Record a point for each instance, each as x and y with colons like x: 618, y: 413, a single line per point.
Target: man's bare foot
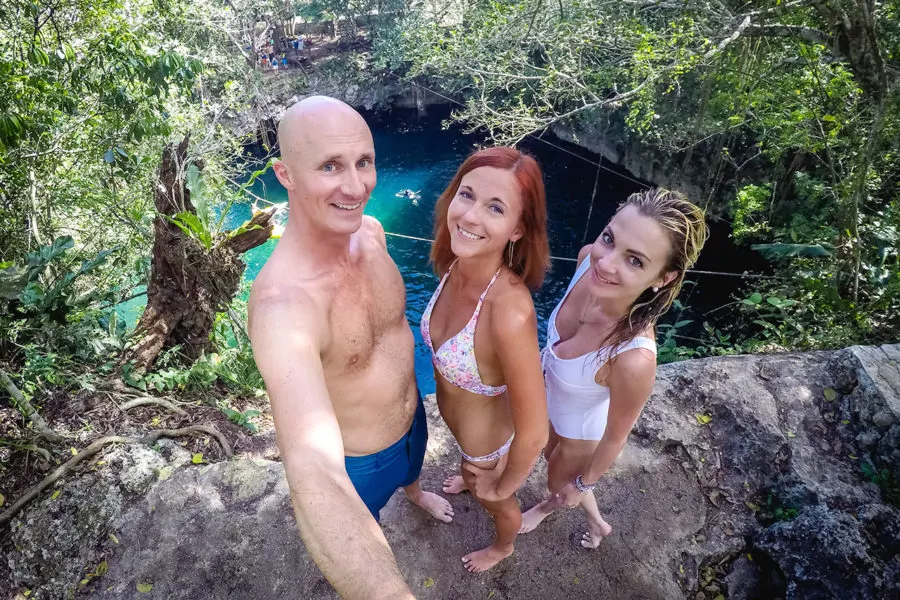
x: 595, y: 533
x: 454, y: 485
x: 433, y: 504
x: 533, y: 517
x: 484, y: 559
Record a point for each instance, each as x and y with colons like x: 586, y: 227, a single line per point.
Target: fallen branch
x: 98, y: 445
x: 40, y: 425
x: 143, y: 401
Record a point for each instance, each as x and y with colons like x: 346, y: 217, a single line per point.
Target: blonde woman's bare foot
x: 595, y: 533
x: 484, y: 559
x: 533, y: 517
x: 433, y: 504
x: 454, y: 485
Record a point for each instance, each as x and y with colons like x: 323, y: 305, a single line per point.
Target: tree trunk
x: 188, y: 284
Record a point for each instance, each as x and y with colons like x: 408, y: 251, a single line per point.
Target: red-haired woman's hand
x: 483, y: 483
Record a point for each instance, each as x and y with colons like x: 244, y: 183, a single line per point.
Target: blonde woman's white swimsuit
x: 577, y: 405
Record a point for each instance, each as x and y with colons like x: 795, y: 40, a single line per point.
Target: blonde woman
x: 600, y: 358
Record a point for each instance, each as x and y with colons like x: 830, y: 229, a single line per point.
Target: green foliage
x: 749, y: 212
x: 668, y: 349
x: 242, y: 418
x: 890, y: 489
x: 774, y: 511
x: 44, y: 305
x: 807, y: 131
x: 90, y: 93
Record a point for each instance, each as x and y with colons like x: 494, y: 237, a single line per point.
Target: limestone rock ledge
x: 743, y: 478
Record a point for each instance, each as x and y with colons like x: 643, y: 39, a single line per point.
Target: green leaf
x: 144, y: 587
x: 755, y: 298
x: 2, y: 499
x: 703, y: 419
x: 197, y: 187
x: 429, y: 582
x: 55, y: 494
x: 197, y: 458
x: 830, y: 394
x: 114, y: 539
x: 243, y: 229
x: 109, y: 156
x: 46, y: 254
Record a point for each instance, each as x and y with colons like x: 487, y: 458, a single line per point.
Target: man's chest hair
x: 367, y: 301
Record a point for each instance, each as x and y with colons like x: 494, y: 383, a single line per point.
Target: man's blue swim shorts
x: 376, y: 476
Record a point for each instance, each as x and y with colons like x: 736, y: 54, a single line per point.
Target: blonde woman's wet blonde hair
x: 685, y: 224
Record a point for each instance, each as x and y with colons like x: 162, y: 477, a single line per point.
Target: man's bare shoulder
x: 286, y: 308
x: 372, y: 230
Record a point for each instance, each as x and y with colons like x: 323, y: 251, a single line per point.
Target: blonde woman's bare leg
x: 597, y: 527
x: 564, y: 464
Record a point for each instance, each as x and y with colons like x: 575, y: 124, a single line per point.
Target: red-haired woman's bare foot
x: 454, y: 485
x: 595, y: 533
x: 484, y: 559
x: 533, y: 517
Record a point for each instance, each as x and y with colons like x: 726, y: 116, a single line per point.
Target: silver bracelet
x: 584, y: 488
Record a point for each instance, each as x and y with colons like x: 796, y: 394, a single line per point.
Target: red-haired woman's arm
x: 514, y: 331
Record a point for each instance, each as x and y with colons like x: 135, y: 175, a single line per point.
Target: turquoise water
x: 422, y: 156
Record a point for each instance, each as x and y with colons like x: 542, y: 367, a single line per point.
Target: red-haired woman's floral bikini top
x: 455, y: 359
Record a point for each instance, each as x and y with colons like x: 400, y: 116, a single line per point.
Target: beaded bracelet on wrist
x: 582, y: 487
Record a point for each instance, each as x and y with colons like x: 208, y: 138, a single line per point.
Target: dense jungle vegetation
x: 117, y: 162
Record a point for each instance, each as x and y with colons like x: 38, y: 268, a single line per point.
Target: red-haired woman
x: 490, y: 249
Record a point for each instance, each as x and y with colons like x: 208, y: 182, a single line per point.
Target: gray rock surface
x: 765, y: 500
x: 868, y: 380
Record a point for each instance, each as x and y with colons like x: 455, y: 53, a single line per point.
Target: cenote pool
x: 419, y: 154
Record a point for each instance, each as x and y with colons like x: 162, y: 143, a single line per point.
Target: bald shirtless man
x: 330, y: 336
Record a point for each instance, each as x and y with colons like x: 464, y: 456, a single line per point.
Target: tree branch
x: 22, y: 403
x: 798, y: 31
x: 620, y: 98
x: 143, y: 401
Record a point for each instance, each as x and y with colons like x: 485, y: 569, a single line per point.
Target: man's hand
x: 483, y: 483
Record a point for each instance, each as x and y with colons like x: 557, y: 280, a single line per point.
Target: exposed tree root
x: 40, y: 425
x: 145, y: 400
x: 98, y: 445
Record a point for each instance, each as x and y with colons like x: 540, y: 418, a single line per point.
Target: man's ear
x: 282, y: 174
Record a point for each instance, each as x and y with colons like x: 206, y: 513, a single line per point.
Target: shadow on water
x: 420, y: 155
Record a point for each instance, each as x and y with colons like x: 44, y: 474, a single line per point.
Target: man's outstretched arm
x: 339, y: 532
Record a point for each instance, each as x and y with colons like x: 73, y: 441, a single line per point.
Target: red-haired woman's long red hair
x: 531, y: 253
